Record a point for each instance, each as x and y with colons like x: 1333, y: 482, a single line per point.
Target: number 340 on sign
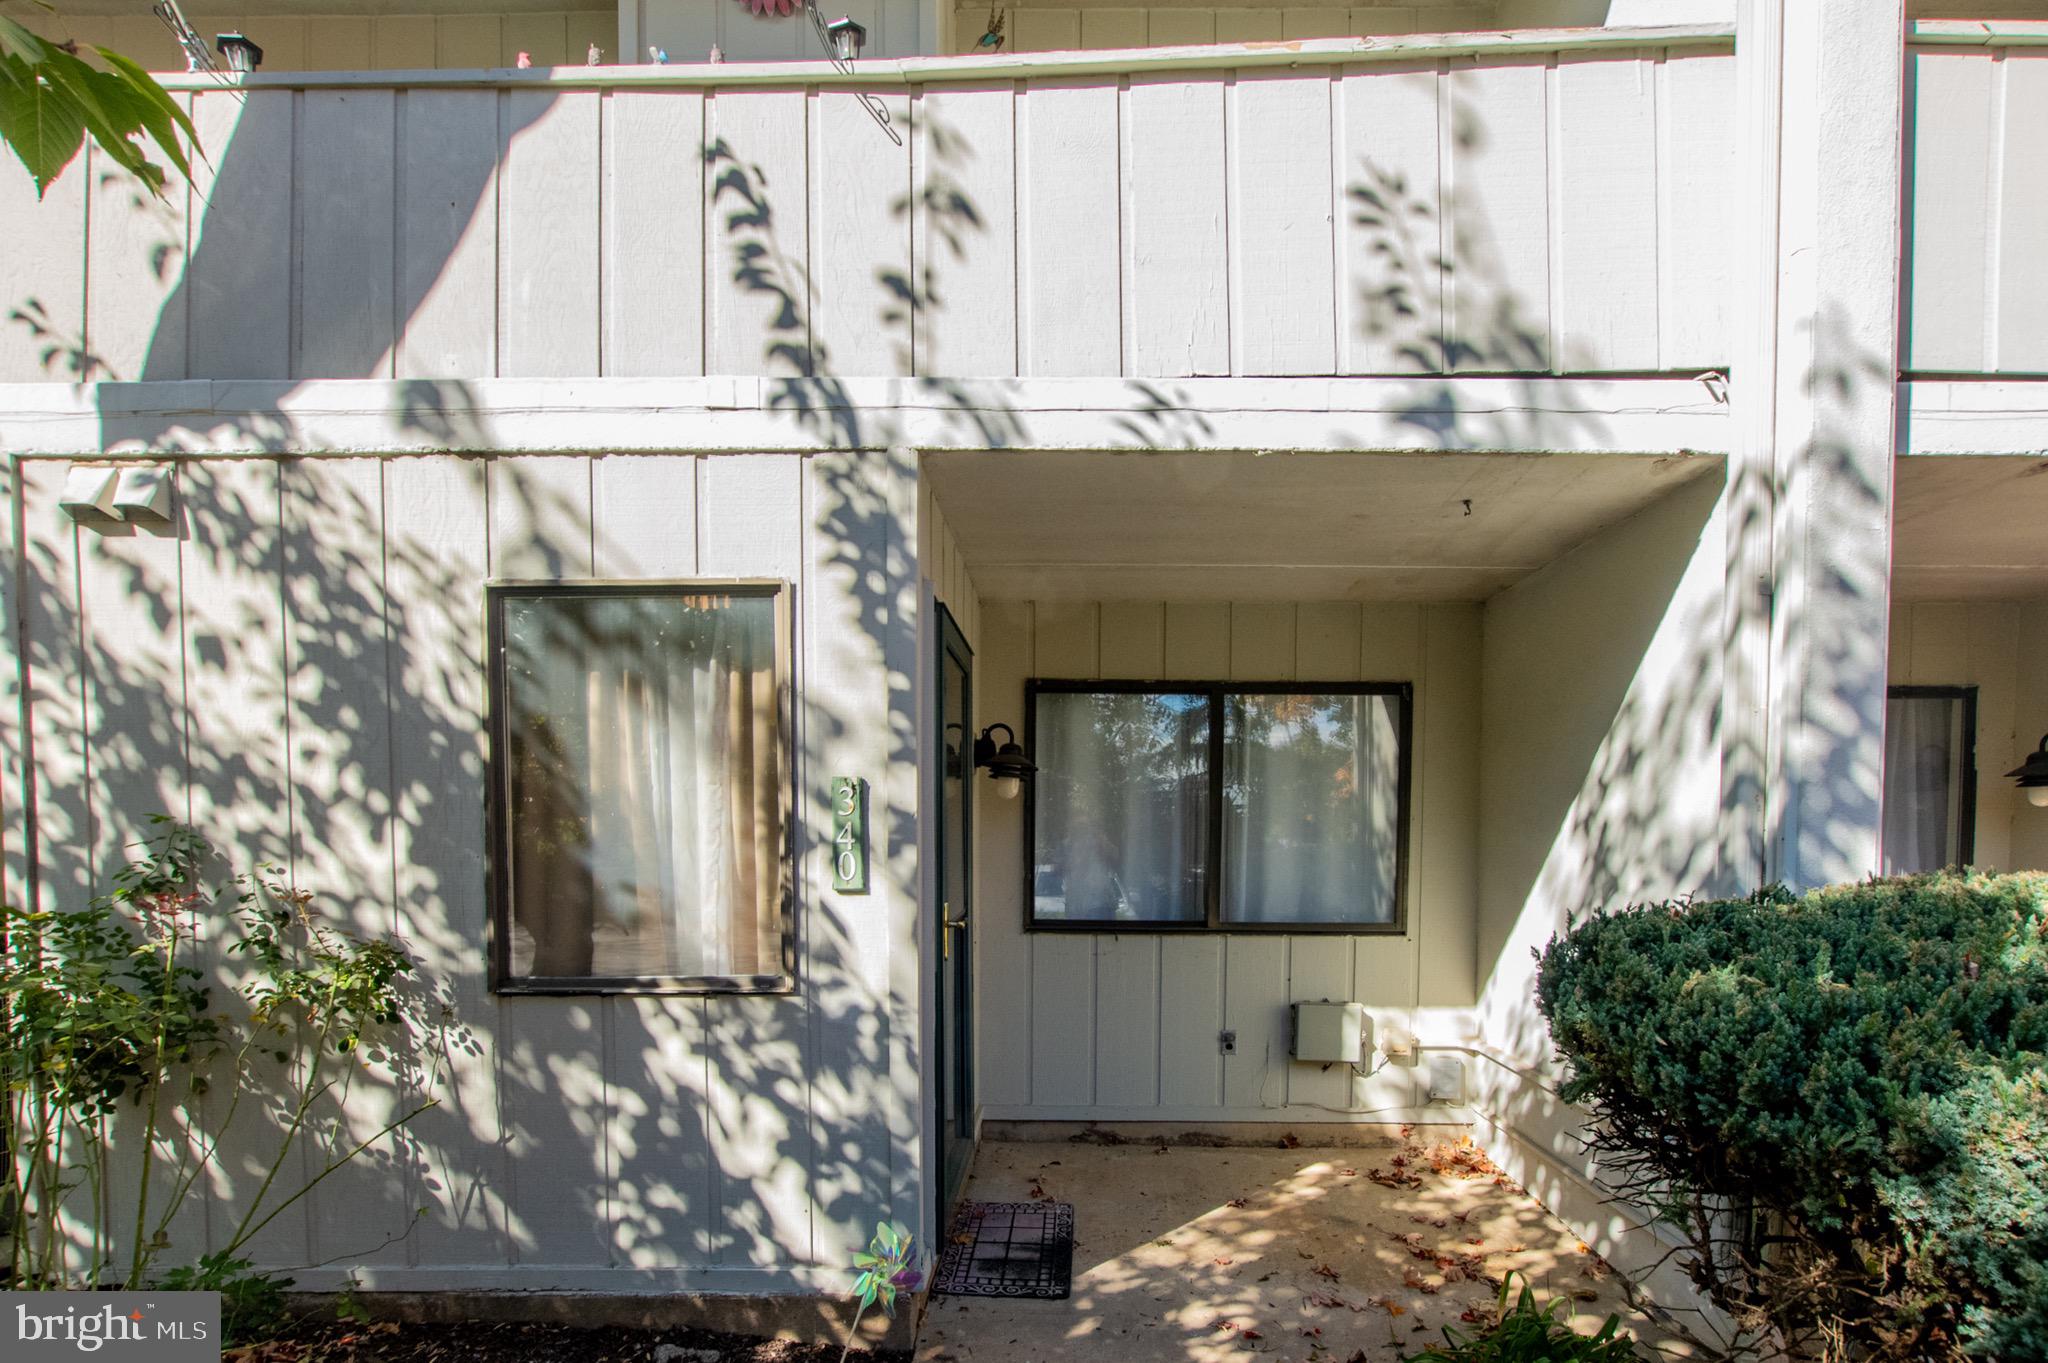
x: 849, y: 834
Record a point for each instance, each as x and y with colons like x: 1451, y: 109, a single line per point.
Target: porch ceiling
x: 1965, y: 526
x: 1235, y: 525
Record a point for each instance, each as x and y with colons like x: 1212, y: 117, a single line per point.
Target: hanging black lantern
x: 1007, y: 765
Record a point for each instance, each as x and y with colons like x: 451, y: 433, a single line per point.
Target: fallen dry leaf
x: 1325, y: 1271
x: 1235, y: 1202
x: 1415, y: 1280
x: 1391, y: 1307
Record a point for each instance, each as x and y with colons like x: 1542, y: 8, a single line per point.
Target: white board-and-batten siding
x: 299, y: 670
x: 1547, y: 213
x: 1109, y: 1026
x: 1977, y: 211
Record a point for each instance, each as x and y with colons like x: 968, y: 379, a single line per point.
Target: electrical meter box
x: 1329, y: 1033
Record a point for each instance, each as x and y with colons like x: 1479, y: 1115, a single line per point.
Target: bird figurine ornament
x: 993, y: 38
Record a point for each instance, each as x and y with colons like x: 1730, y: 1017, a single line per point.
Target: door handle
x: 950, y: 926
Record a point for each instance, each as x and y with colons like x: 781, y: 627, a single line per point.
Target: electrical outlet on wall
x: 1228, y: 1042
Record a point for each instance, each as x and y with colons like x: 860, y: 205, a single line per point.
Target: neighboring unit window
x: 1930, y: 778
x: 640, y: 771
x: 1200, y: 805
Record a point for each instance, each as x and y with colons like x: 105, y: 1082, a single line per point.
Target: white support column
x: 1811, y: 477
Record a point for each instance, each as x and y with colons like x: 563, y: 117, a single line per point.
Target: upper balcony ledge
x: 1653, y: 416
x: 914, y: 71
x: 1978, y: 33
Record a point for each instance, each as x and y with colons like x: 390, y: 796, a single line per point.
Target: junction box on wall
x: 1328, y: 1033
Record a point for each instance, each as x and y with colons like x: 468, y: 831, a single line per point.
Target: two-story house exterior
x: 1405, y: 475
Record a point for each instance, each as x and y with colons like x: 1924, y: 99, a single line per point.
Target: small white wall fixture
x: 101, y: 496
x: 88, y: 495
x: 142, y: 496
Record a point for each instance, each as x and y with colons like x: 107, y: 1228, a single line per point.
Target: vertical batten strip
x: 1994, y: 216
x: 2021, y: 270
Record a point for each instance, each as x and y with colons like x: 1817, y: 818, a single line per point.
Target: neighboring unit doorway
x: 953, y: 1057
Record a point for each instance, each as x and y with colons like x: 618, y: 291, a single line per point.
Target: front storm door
x: 954, y: 1054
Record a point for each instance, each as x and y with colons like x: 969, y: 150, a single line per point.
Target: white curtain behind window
x: 1922, y: 783
x: 647, y: 830
x: 1311, y: 819
x: 1122, y: 790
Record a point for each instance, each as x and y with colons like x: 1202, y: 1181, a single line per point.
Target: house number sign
x: 849, y: 834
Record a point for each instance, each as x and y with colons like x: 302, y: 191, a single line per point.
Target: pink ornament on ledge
x: 771, y: 7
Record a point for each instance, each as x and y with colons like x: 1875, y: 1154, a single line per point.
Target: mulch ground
x: 478, y: 1342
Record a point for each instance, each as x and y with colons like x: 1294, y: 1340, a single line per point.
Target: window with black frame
x: 641, y: 790
x: 1225, y: 806
x: 1930, y: 778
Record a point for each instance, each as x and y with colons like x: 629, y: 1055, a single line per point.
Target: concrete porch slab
x: 1199, y: 1255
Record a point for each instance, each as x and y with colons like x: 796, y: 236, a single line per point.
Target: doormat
x: 1008, y: 1249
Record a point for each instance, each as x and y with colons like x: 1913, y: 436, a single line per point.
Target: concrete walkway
x: 1197, y: 1255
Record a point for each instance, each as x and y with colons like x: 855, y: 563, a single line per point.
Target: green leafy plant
x: 1523, y: 1332
x: 889, y: 1266
x: 104, y: 1011
x: 251, y: 1303
x: 51, y: 99
x: 1839, y: 1099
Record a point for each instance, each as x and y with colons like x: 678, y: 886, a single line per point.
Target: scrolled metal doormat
x: 1008, y: 1249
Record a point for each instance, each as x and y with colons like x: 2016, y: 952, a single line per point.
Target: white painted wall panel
x: 1128, y: 993
x: 756, y: 237
x: 1696, y: 194
x: 2022, y: 264
x: 1952, y: 215
x: 1606, y: 205
x: 1391, y: 292
x: 1182, y: 226
x: 1499, y: 214
x: 239, y: 284
x: 548, y: 234
x: 860, y: 278
x: 1098, y: 1025
x: 1067, y: 216
x: 1978, y: 210
x: 447, y: 233
x: 337, y: 688
x: 135, y: 304
x: 317, y: 627
x: 1284, y: 280
x: 437, y: 550
x: 1004, y: 965
x: 1176, y: 286
x: 348, y: 250
x: 42, y: 278
x: 228, y: 567
x: 1190, y: 1022
x: 966, y: 242
x: 653, y: 257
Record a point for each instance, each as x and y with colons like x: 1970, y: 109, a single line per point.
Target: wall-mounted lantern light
x: 846, y: 37
x: 243, y: 55
x: 2031, y: 776
x: 1007, y: 765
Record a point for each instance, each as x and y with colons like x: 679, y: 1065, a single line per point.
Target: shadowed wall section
x: 1103, y: 1026
x: 298, y: 668
x: 1178, y: 224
